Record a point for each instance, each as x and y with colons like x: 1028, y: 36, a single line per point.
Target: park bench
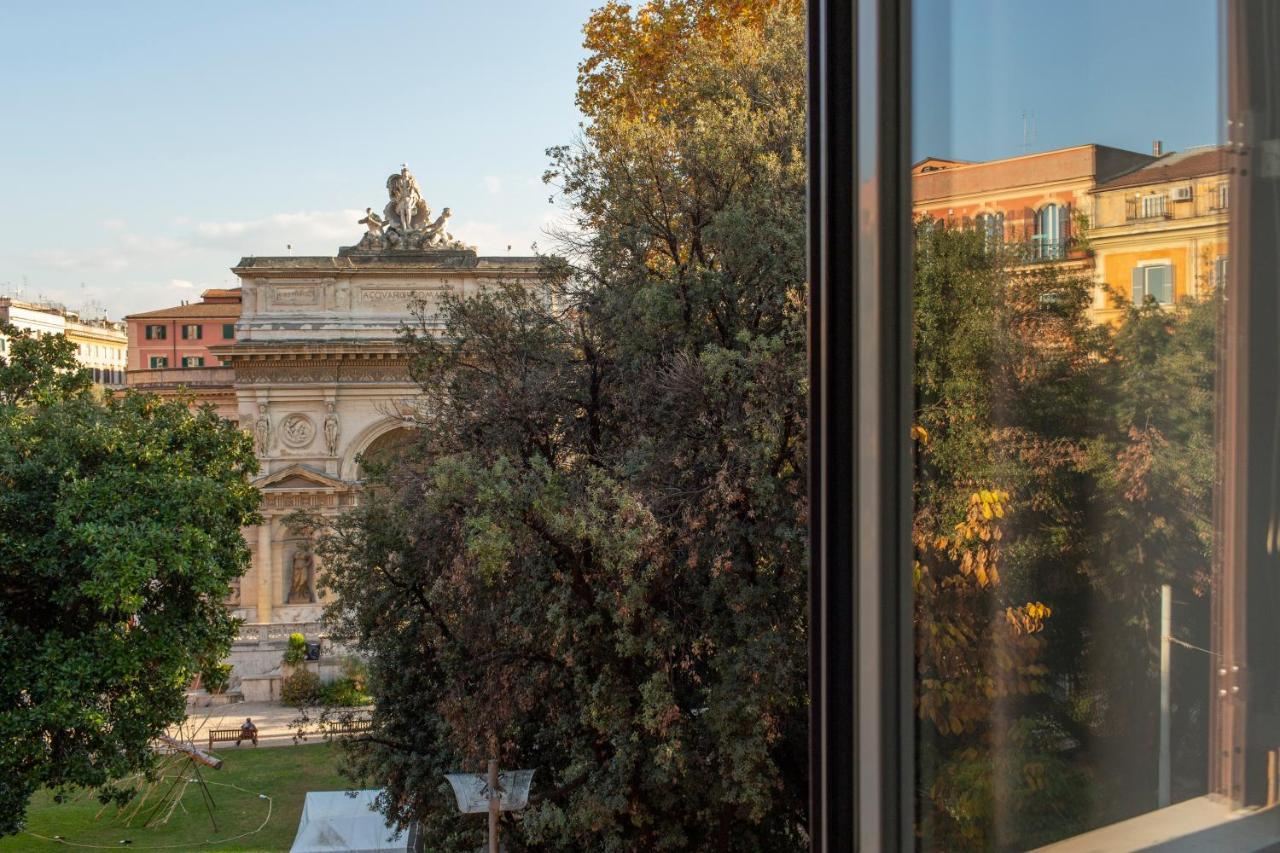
x: 220, y: 735
x: 350, y: 727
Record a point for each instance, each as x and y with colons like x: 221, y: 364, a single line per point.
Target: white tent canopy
x: 337, y: 821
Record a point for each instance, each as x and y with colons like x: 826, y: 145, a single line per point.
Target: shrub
x: 356, y: 671
x: 300, y: 688
x: 215, y: 676
x: 296, y: 652
x: 343, y: 693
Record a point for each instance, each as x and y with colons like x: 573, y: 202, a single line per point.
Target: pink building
x: 181, y: 336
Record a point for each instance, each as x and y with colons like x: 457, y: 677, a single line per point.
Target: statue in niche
x: 300, y: 570
x: 262, y: 431
x: 331, y: 430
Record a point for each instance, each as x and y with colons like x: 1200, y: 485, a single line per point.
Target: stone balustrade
x: 259, y: 634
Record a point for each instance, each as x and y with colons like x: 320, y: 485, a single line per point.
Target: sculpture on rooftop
x: 372, y: 221
x: 405, y: 224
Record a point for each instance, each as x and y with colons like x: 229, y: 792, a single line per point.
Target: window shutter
x: 1137, y: 286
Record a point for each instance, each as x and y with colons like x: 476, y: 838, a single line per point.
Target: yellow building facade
x: 1160, y: 231
x: 102, y: 346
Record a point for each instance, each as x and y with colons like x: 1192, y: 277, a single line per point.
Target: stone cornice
x: 309, y: 351
x: 389, y: 263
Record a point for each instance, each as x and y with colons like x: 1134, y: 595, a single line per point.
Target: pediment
x: 299, y: 477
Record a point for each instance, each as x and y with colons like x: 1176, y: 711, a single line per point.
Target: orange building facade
x: 170, y: 350
x: 1142, y: 225
x: 180, y: 337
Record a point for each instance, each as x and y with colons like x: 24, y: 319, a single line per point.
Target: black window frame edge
x: 862, y: 721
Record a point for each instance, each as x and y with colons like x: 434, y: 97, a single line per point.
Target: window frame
x: 1145, y: 267
x: 155, y: 332
x: 162, y: 365
x: 228, y: 331
x: 862, y: 717
x: 190, y: 358
x: 1049, y: 241
x: 187, y: 334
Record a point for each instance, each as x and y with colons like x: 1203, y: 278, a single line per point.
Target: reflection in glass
x: 1066, y: 388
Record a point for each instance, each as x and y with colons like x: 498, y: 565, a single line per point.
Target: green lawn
x: 283, y: 773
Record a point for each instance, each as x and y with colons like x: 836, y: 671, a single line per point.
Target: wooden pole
x: 495, y: 802
x: 1166, y: 631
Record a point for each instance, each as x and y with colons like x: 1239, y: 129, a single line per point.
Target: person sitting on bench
x: 248, y: 731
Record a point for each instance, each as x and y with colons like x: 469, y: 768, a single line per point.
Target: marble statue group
x: 406, y: 222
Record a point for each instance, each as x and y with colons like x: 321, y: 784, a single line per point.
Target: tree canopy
x: 1063, y: 472
x: 593, y: 561
x: 119, y: 537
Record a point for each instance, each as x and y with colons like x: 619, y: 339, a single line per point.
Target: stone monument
x: 322, y: 381
x: 406, y: 224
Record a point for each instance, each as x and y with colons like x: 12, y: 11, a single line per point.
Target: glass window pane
x: 1067, y: 424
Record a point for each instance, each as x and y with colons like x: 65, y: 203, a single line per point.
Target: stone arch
x: 381, y: 437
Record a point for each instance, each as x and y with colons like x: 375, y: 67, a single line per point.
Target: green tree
x: 1064, y: 471
x: 119, y: 536
x: 593, y: 562
x: 1009, y: 369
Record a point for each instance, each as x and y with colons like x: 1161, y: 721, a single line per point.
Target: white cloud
x: 113, y: 224
x: 80, y: 259
x: 491, y: 238
x: 182, y: 284
x: 319, y: 232
x: 493, y: 184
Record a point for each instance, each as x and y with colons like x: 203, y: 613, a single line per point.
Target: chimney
x: 1157, y: 147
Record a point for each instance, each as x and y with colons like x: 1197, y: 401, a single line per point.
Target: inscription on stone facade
x: 295, y: 295
x: 385, y: 297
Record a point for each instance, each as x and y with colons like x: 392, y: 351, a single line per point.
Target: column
x: 265, y: 572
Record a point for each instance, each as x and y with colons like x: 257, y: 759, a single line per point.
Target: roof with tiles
x: 196, y: 310
x: 1175, y: 166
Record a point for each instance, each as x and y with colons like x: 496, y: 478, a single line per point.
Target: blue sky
x: 1116, y: 72
x: 146, y: 146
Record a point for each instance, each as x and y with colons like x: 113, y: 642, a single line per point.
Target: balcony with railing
x: 1148, y: 208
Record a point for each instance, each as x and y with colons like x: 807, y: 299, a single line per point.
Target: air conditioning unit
x: 1182, y: 193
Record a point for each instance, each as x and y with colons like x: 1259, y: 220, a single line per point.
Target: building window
x: 1220, y: 271
x: 159, y: 361
x: 193, y: 361
x: 1048, y: 242
x: 193, y: 332
x: 1220, y: 197
x: 991, y: 226
x: 1154, y: 280
x: 1153, y: 206
x: 156, y: 333
x: 228, y: 331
